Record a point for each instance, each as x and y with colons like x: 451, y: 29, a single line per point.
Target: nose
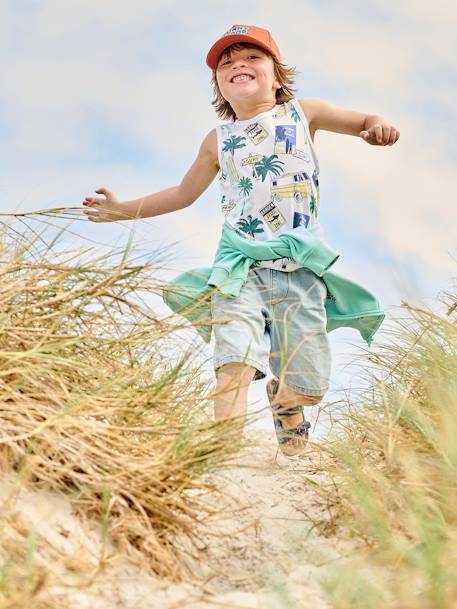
x: 238, y: 63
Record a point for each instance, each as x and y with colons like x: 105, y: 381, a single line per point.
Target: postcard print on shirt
x: 273, y: 216
x: 256, y: 133
x: 285, y: 139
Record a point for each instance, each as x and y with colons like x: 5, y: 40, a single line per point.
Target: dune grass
x: 99, y: 400
x: 394, y: 465
x: 22, y: 577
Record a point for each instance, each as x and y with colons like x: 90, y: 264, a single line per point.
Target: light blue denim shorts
x: 279, y: 319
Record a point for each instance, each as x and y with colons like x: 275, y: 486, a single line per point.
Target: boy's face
x: 247, y: 73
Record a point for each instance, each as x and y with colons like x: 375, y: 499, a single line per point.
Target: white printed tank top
x: 269, y: 175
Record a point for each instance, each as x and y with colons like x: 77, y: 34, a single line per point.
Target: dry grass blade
x: 95, y: 404
x: 395, y: 468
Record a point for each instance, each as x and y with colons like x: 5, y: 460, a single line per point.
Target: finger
x: 91, y: 200
x: 90, y: 214
x: 103, y: 191
x: 378, y: 133
x: 385, y: 134
x: 103, y: 214
x: 93, y: 212
x: 393, y: 135
x: 95, y: 217
x: 95, y: 202
x: 371, y: 137
x: 364, y: 135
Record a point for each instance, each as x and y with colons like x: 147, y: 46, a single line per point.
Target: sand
x: 272, y: 558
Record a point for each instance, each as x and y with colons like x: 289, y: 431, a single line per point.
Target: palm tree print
x: 294, y: 114
x: 250, y: 225
x: 232, y: 143
x: 245, y: 186
x: 269, y: 165
x: 312, y: 205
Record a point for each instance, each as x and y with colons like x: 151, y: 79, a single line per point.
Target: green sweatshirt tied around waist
x: 348, y: 304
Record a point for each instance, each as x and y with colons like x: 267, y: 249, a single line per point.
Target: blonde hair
x: 284, y: 74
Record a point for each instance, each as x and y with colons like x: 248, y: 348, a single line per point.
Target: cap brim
x: 212, y: 59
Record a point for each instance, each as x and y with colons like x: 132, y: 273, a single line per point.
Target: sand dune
x: 261, y: 551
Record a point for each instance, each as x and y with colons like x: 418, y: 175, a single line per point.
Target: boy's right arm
x: 195, y: 182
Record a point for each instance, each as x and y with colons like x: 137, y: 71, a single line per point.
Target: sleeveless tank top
x: 269, y: 175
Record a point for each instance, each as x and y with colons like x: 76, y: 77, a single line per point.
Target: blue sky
x: 107, y: 93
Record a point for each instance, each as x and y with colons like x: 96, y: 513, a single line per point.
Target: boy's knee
x: 236, y: 369
x: 239, y: 373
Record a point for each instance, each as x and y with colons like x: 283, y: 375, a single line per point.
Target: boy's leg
x: 231, y: 395
x: 300, y: 349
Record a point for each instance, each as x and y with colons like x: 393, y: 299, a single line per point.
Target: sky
x: 107, y: 93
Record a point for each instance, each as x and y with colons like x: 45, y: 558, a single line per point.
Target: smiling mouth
x: 241, y: 78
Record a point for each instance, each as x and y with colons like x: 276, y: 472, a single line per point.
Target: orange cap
x: 242, y: 33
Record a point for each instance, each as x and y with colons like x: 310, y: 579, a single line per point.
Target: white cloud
x: 403, y: 195
x: 441, y: 13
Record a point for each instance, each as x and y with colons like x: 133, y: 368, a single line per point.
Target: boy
x: 272, y: 266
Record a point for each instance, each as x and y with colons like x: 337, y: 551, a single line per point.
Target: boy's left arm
x: 374, y: 129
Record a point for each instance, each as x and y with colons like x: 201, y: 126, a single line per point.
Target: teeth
x: 241, y: 77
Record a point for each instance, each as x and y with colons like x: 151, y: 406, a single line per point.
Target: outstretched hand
x: 380, y: 134
x: 104, y: 209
